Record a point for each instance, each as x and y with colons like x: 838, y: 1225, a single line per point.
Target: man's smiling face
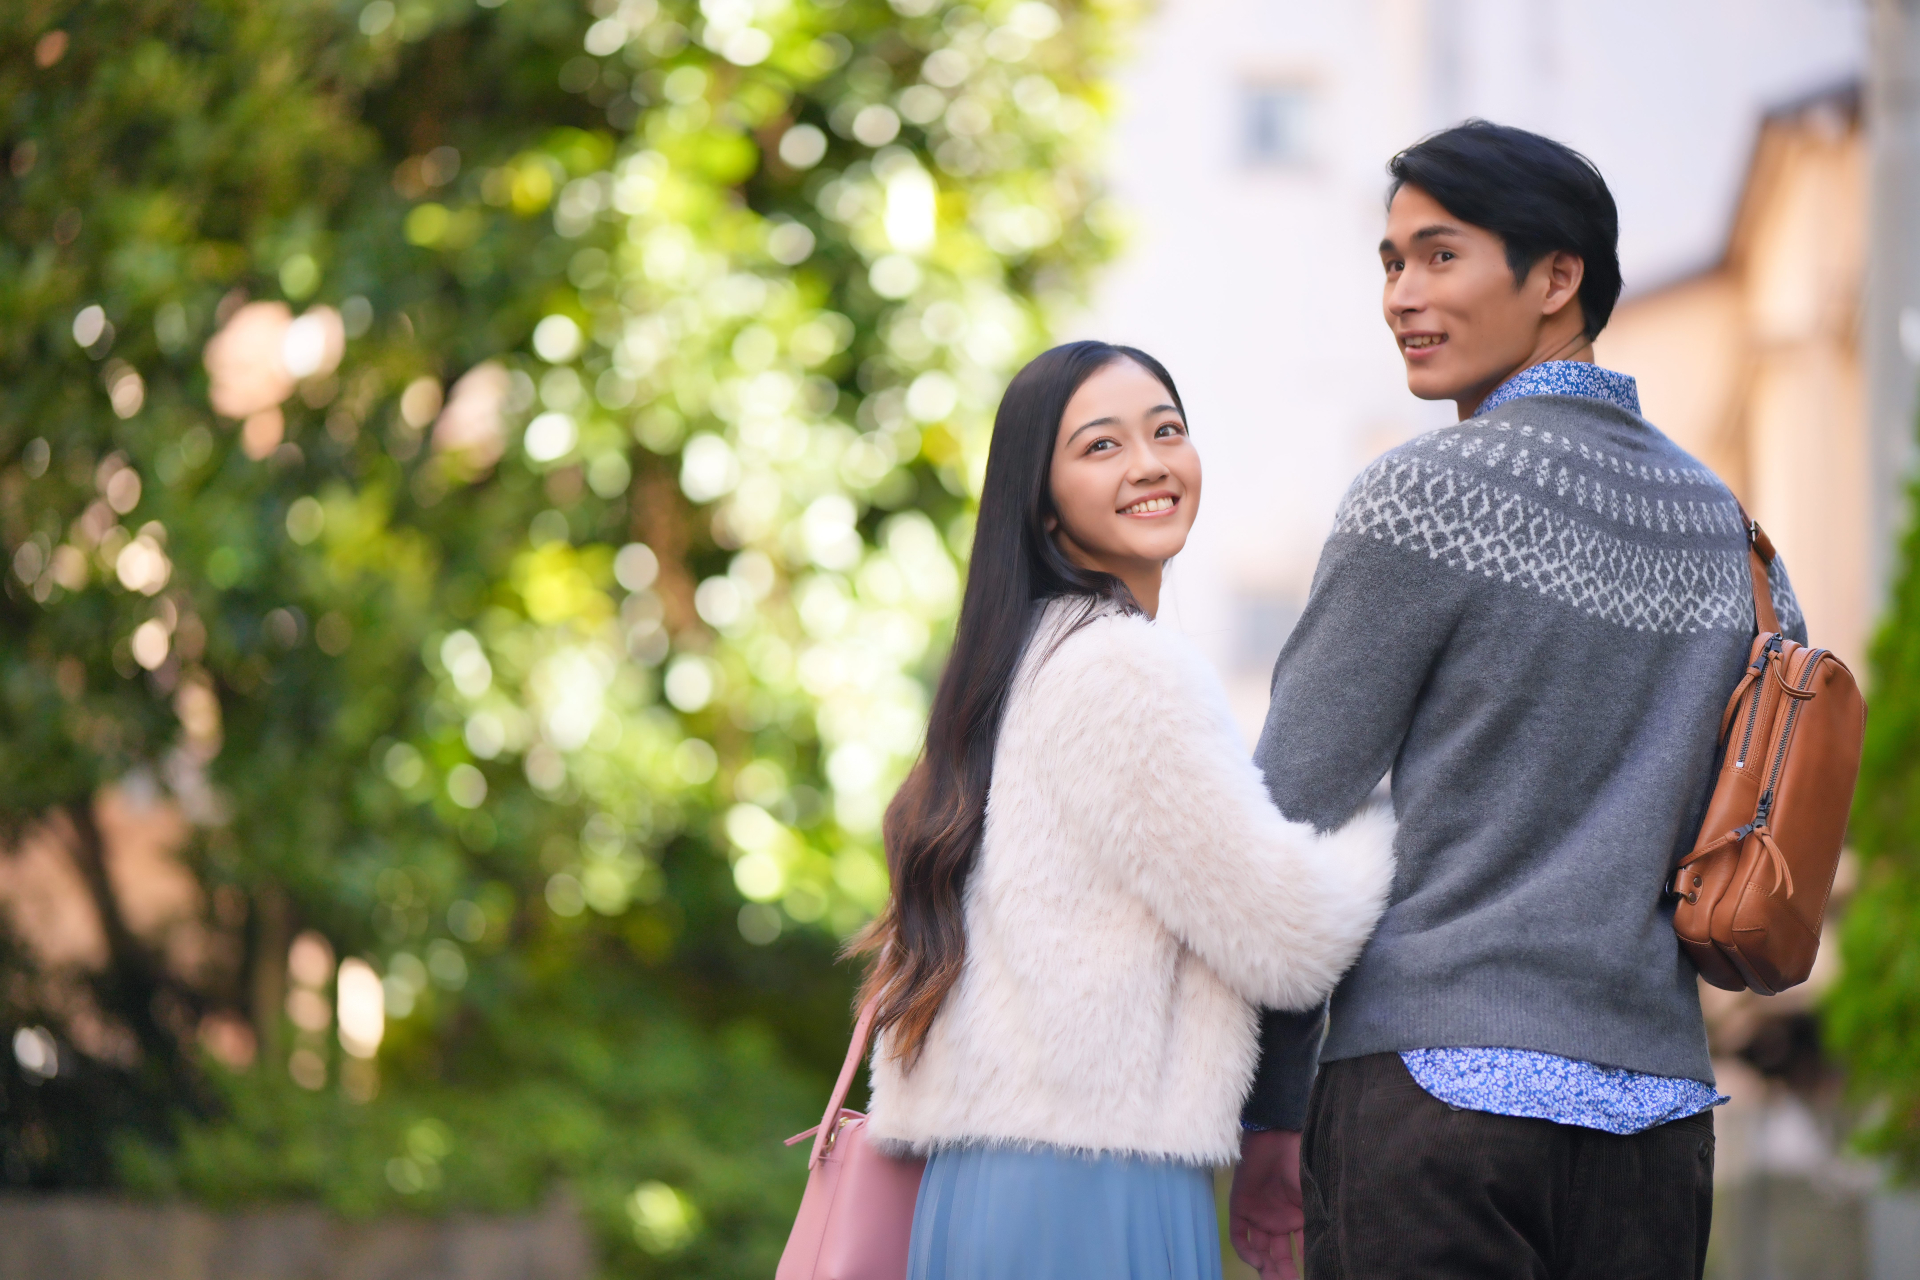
x: 1462, y: 323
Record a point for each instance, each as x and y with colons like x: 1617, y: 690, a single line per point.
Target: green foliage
x: 1873, y: 1013
x: 615, y: 383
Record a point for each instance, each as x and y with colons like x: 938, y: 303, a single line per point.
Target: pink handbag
x: 857, y: 1214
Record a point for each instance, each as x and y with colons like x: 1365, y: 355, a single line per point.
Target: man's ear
x: 1565, y: 270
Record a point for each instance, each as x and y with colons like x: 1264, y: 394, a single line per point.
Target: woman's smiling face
x: 1125, y: 477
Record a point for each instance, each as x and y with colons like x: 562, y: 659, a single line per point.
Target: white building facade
x: 1250, y: 157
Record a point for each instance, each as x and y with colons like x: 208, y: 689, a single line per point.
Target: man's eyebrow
x: 1109, y: 421
x: 1425, y: 233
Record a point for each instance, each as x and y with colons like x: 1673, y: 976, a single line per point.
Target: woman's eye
x: 1100, y: 446
x: 1170, y: 430
x: 1445, y: 255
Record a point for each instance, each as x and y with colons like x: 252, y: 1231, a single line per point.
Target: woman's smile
x: 1152, y: 506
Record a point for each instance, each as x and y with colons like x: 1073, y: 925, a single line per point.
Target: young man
x: 1532, y: 619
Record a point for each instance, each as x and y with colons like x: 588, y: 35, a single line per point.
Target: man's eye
x: 1445, y: 255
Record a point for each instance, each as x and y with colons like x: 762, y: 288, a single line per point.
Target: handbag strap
x: 856, y: 1051
x: 1760, y: 554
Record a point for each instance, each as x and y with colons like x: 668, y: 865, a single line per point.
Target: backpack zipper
x: 1786, y: 732
x: 1763, y: 812
x: 1753, y: 711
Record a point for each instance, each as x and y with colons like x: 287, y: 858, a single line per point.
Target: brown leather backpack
x: 1754, y: 889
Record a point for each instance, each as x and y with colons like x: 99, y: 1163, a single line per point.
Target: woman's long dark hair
x: 933, y: 827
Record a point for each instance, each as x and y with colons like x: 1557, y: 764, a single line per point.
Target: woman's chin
x: 1156, y: 550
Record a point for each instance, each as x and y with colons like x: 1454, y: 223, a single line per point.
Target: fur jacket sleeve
x: 1150, y: 763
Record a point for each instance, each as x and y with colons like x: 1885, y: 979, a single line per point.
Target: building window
x: 1274, y: 125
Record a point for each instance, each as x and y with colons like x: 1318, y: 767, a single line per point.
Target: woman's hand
x: 1264, y: 1214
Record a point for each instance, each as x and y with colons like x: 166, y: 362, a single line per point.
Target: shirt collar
x: 1568, y: 378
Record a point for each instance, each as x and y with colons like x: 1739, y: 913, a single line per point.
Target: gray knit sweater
x: 1533, y: 619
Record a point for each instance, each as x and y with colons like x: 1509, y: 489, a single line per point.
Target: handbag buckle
x: 833, y: 1134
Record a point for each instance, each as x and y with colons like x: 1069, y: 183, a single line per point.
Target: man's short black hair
x: 1539, y: 196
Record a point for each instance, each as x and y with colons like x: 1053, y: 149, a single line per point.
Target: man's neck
x: 1577, y: 347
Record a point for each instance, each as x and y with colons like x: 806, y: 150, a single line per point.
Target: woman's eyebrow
x: 1109, y: 421
x: 1087, y: 426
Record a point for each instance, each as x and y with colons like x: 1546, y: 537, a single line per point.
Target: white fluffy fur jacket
x: 1136, y: 898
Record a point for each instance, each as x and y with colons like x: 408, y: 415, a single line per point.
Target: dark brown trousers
x: 1399, y: 1184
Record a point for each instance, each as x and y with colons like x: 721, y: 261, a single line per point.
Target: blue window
x: 1274, y: 124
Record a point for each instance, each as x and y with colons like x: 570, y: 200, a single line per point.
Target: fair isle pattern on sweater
x: 1461, y: 495
x: 1559, y: 794
x: 1526, y: 1082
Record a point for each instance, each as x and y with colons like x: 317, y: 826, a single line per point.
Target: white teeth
x: 1146, y: 505
x: 1425, y: 340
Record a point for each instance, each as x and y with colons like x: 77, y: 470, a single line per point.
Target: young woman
x: 1092, y: 893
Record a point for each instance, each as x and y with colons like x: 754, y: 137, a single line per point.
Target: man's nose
x: 1405, y: 295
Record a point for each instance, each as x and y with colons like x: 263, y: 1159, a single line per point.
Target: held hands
x: 1265, y: 1218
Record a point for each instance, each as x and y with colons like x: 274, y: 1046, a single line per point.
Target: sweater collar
x: 1567, y: 378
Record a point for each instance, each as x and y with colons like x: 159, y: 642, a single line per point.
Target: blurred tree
x: 1872, y: 1016
x: 498, y: 469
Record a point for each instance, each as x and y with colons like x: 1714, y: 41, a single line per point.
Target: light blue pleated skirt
x: 1001, y: 1213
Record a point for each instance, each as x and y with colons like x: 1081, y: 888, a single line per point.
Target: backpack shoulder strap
x: 1760, y: 554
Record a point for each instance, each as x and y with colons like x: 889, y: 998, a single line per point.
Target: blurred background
x: 484, y: 486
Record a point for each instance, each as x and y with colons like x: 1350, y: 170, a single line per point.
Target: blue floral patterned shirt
x: 1525, y: 1082
x: 1567, y: 378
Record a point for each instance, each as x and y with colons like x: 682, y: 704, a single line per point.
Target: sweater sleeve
x: 1289, y: 1057
x: 1345, y: 686
x: 1377, y: 619
x: 1150, y: 767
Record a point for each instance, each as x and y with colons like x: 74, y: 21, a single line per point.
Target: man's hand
x: 1264, y: 1215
